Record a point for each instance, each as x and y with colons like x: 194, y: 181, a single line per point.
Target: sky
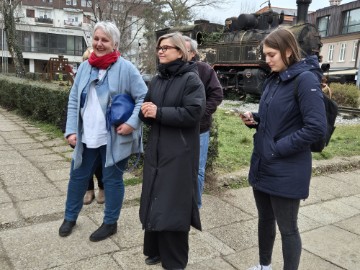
x: 234, y: 8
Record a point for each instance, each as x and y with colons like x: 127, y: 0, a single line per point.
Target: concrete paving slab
x: 41, y: 137
x: 133, y: 259
x: 307, y: 224
x: 9, y: 126
x: 62, y: 149
x: 238, y: 236
x: 211, y: 264
x: 36, y: 152
x: 329, y: 243
x: 8, y: 213
x: 316, y: 194
x: 58, y: 174
x: 335, y: 187
x: 130, y: 233
x: 353, y: 201
x: 62, y: 185
x: 22, y: 140
x: 40, y: 207
x: 54, y: 165
x: 329, y: 212
x: 30, y: 192
x: 40, y: 247
x: 20, y: 134
x: 308, y: 261
x: 352, y: 177
x: 204, y: 246
x: 55, y: 142
x: 45, y: 158
x: 3, y: 142
x: 351, y: 225
x: 216, y: 213
x: 28, y: 146
x: 22, y: 174
x: 11, y: 157
x: 33, y: 130
x: 101, y: 262
x: 132, y: 192
x: 241, y: 198
x: 4, y: 197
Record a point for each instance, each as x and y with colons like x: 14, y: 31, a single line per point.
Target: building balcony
x: 44, y: 20
x: 72, y: 23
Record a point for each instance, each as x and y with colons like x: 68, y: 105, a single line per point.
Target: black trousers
x: 98, y: 174
x: 172, y: 247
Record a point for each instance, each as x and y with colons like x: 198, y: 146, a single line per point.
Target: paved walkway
x: 33, y: 180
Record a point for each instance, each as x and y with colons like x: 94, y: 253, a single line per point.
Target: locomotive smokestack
x: 302, y: 10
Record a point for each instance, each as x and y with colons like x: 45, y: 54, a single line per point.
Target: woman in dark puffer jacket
x: 286, y: 125
x: 172, y: 108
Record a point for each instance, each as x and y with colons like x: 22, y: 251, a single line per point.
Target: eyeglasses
x: 165, y: 48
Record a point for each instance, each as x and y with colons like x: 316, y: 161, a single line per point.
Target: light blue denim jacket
x: 121, y: 77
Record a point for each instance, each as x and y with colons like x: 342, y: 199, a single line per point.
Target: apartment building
x: 52, y: 28
x: 339, y: 27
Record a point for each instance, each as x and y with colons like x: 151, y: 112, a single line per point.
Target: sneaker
x: 89, y: 197
x: 261, y: 267
x: 100, y: 198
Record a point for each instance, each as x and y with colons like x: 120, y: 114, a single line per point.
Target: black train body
x: 238, y: 58
x: 237, y: 55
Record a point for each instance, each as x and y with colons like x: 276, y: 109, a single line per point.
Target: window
x: 323, y: 24
x: 86, y: 3
x: 331, y: 53
x: 351, y: 21
x: 354, y: 52
x: 68, y: 2
x: 342, y: 52
x: 30, y: 13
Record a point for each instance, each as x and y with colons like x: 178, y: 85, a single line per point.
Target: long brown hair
x: 282, y: 39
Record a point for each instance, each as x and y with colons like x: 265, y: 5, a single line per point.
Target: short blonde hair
x: 87, y: 53
x: 178, y: 40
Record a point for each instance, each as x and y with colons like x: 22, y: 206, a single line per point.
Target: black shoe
x: 66, y: 228
x: 103, y: 232
x: 152, y: 260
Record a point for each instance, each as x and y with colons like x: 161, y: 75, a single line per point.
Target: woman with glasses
x: 173, y: 107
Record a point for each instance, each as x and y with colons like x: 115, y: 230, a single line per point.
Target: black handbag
x: 120, y: 108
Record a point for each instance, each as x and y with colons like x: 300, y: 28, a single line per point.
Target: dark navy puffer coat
x: 169, y: 190
x: 281, y: 161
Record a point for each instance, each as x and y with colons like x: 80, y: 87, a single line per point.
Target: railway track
x: 349, y: 111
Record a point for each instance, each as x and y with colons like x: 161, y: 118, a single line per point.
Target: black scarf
x: 171, y: 68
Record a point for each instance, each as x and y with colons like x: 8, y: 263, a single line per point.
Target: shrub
x: 346, y: 95
x: 38, y: 100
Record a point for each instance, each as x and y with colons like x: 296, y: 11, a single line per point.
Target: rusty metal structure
x: 58, y: 67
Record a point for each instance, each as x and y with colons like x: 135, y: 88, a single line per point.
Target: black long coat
x: 169, y: 190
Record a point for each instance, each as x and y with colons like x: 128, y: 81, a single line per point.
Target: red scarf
x: 103, y: 62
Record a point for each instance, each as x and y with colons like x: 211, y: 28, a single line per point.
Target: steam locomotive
x: 237, y: 56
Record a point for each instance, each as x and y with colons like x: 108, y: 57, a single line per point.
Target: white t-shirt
x: 94, y: 122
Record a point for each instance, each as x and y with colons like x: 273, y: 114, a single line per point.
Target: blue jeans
x: 284, y: 212
x: 204, y: 146
x: 79, y: 181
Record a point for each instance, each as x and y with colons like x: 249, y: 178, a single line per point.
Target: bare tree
x: 126, y: 14
x: 7, y: 9
x: 180, y: 12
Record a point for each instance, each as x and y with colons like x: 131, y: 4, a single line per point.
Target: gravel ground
x: 231, y: 105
